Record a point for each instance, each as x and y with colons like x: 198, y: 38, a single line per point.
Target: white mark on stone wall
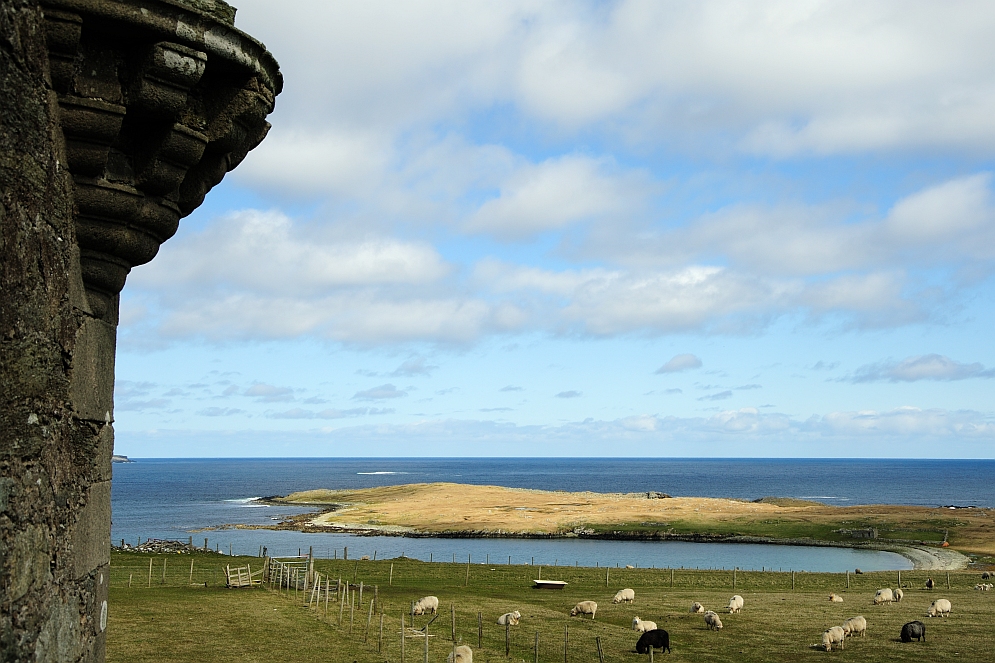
x: 103, y: 615
x: 188, y: 32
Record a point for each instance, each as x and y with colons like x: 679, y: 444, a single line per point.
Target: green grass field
x: 177, y: 620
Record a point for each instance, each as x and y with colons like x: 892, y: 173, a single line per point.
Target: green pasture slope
x: 179, y: 621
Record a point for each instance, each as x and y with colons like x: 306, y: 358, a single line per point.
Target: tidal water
x: 181, y: 498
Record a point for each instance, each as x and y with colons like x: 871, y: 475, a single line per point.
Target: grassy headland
x: 176, y: 620
x: 449, y: 508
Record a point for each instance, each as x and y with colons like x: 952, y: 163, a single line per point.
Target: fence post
x: 535, y: 649
x: 402, y: 637
x: 734, y: 577
x: 150, y: 571
x: 671, y: 578
x: 369, y: 618
x: 565, y: 627
x: 163, y: 582
x: 480, y: 629
x: 352, y: 610
x: 899, y: 578
x: 607, y: 573
x: 848, y: 578
x: 948, y: 577
x: 601, y: 652
x: 426, y: 643
x: 390, y: 578
x: 191, y: 572
x: 507, y: 639
x: 452, y: 612
x: 792, y: 581
x: 380, y: 639
x: 467, y: 581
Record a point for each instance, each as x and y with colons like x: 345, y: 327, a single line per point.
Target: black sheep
x: 655, y: 638
x: 915, y: 630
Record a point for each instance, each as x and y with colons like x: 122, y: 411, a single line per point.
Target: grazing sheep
x: 656, y: 638
x: 938, y: 608
x: 984, y: 587
x: 629, y: 566
x: 624, y: 596
x: 426, y: 604
x: 929, y: 583
x: 883, y: 596
x: 987, y: 575
x: 735, y: 604
x: 858, y: 572
x: 835, y: 598
x: 509, y: 618
x: 463, y: 654
x: 833, y: 635
x: 898, y: 595
x: 915, y: 630
x: 642, y: 626
x: 712, y: 621
x: 855, y: 626
x: 697, y: 608
x: 585, y: 608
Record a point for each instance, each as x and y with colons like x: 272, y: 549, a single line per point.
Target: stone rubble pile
x: 162, y: 546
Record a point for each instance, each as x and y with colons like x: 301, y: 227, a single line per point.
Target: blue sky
x: 588, y: 229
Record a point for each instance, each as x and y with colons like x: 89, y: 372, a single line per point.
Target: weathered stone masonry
x: 116, y: 118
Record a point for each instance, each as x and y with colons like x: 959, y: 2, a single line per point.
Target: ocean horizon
x: 200, y: 498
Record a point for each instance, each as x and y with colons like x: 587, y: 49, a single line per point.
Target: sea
x: 201, y: 499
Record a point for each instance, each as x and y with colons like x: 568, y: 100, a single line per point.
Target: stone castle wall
x: 116, y: 119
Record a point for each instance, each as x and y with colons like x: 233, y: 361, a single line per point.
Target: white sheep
x: 855, y: 626
x: 712, y: 621
x: 835, y: 598
x: 585, y: 608
x: 883, y: 596
x: 735, y: 604
x: 898, y: 595
x: 833, y: 635
x: 509, y: 618
x: 697, y: 608
x: 642, y: 626
x: 426, y: 604
x: 984, y: 587
x: 463, y: 654
x: 938, y: 608
x: 624, y: 596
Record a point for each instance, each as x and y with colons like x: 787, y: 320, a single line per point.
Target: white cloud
x: 785, y: 77
x: 344, y: 163
x: 745, y: 432
x: 682, y: 362
x: 412, y: 367
x: 556, y: 193
x: 267, y: 393
x: 922, y: 367
x: 384, y: 391
x: 951, y: 211
x: 267, y: 252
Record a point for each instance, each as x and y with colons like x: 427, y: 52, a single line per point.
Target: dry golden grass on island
x: 436, y: 508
